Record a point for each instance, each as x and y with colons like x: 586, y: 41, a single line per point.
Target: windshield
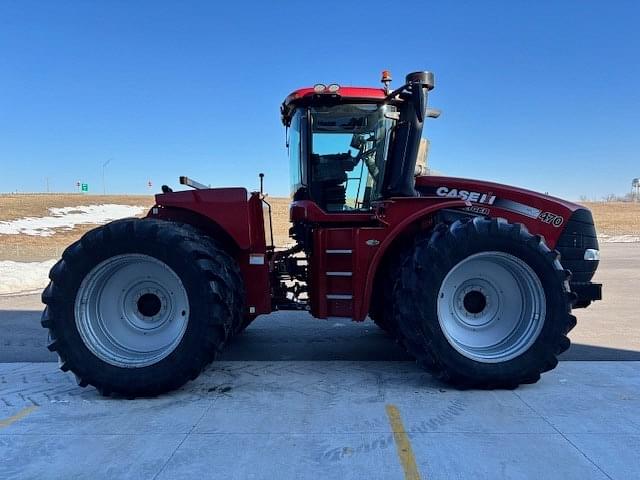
x: 348, y: 152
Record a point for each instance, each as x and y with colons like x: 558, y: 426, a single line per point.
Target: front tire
x: 483, y: 304
x: 138, y: 307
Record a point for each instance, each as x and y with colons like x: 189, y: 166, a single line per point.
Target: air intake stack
x: 399, y: 176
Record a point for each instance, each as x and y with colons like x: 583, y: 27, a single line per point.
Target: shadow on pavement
x: 580, y: 352
x: 292, y: 336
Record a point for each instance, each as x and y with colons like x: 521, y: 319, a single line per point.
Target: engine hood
x: 540, y: 213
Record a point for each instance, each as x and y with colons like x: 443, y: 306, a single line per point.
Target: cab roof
x: 359, y: 93
x: 309, y: 95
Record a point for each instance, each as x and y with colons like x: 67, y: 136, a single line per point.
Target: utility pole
x: 104, y: 185
x: 47, y: 180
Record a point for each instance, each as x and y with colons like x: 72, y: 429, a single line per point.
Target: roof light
x: 333, y: 88
x: 319, y: 88
x: 386, y: 80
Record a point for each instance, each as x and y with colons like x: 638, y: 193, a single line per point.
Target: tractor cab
x: 338, y: 151
x: 349, y: 147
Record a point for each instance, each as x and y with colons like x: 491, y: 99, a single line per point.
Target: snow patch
x: 619, y: 238
x: 67, y: 218
x: 24, y: 277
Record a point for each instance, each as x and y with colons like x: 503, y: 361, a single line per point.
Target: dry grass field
x: 37, y: 205
x: 36, y: 248
x: 280, y: 214
x: 614, y: 218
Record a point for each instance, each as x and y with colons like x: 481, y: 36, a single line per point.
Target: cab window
x: 348, y: 152
x: 295, y: 149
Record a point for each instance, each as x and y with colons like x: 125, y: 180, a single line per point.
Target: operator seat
x: 328, y: 179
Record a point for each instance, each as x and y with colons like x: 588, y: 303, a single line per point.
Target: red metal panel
x: 309, y: 211
x: 504, y: 206
x: 340, y: 308
x: 339, y: 284
x: 256, y: 285
x: 227, y: 207
x: 256, y: 277
x: 317, y: 271
x: 257, y: 237
x: 338, y: 263
x: 351, y: 93
x: 367, y: 243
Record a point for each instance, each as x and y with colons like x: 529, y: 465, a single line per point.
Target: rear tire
x: 116, y: 295
x: 483, y: 304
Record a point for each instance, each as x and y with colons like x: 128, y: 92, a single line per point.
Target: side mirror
x: 433, y: 112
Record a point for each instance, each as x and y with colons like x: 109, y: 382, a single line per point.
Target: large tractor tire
x: 381, y: 310
x: 483, y: 304
x: 138, y: 307
x: 233, y: 284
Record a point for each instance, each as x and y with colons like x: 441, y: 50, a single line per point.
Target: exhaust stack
x: 403, y: 152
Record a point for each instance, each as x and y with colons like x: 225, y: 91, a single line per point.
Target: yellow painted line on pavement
x: 403, y: 445
x: 18, y: 416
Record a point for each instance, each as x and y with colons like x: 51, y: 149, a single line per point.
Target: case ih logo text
x: 476, y: 197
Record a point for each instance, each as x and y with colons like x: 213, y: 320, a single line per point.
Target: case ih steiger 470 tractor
x: 475, y: 279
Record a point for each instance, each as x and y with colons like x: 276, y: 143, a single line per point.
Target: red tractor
x: 475, y: 279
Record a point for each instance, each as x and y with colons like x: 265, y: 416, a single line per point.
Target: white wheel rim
x: 131, y: 310
x: 491, y: 307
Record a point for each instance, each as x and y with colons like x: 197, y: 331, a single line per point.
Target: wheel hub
x: 491, y: 307
x: 149, y: 305
x: 474, y: 302
x: 131, y: 310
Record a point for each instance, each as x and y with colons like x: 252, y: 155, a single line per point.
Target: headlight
x: 591, y: 254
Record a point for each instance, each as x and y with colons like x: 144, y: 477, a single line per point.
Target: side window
x: 295, y: 147
x: 349, y: 148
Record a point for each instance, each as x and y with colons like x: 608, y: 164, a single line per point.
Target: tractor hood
x: 541, y: 213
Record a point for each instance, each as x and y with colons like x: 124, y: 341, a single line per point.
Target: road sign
x: 84, y: 187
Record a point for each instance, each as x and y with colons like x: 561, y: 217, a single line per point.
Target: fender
x: 566, y: 227
x: 229, y: 210
x: 540, y: 213
x: 234, y: 218
x: 399, y: 223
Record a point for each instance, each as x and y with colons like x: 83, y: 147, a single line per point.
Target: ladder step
x: 339, y: 274
x: 346, y: 251
x: 334, y: 296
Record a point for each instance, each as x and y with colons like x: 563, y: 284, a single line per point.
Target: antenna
x: 104, y: 185
x: 261, y: 175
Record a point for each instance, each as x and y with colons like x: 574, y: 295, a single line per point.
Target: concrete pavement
x: 308, y: 420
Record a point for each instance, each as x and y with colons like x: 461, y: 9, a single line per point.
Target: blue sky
x: 540, y: 94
